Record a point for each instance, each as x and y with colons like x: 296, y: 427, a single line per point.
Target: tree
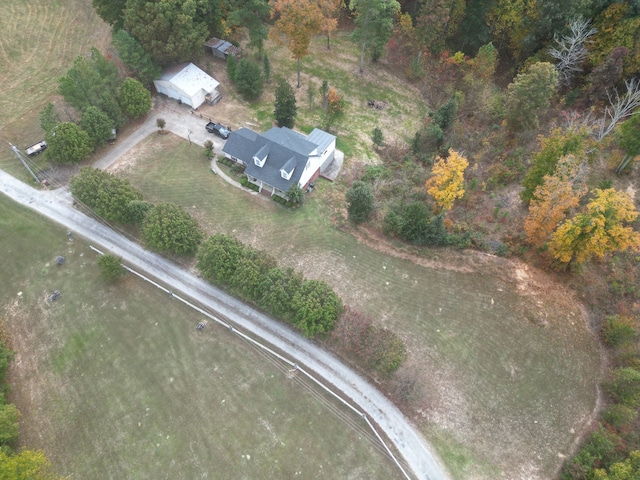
x: 251, y: 14
x: 111, y: 11
x: 445, y: 115
x: 107, y: 195
x: 529, y: 96
x: 553, y: 198
x: 285, y: 105
x: 111, y: 267
x: 9, y: 426
x: 316, y: 306
x: 431, y: 21
x: 138, y: 210
x: 169, y: 30
x: 298, y: 21
x: 414, y: 223
x: 249, y: 79
x: 628, y: 137
x: 597, y: 231
x: 485, y: 62
x: 161, y: 122
x: 279, y: 285
x: 620, y: 107
x: 68, y: 143
x: 626, y: 470
x: 295, y: 194
x: 266, y: 67
x: 606, y: 76
x: 98, y: 126
x: 219, y: 257
x: 134, y: 57
x: 329, y: 20
x: 508, y: 26
x: 552, y: 148
x: 26, y: 465
x: 134, y: 99
x: 232, y: 67
x: 377, y: 137
x: 49, y: 118
x: 447, y: 182
x: 93, y: 81
x: 360, y: 202
x: 335, y: 107
x: 208, y: 149
x: 570, y: 50
x: 170, y: 228
x: 373, y: 25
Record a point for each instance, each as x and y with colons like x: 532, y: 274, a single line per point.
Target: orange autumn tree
x: 447, y: 183
x: 597, y: 231
x: 329, y: 22
x: 557, y: 194
x: 298, y: 21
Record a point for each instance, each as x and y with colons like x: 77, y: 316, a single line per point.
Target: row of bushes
x: 244, y: 181
x: 166, y: 227
x: 612, y: 451
x: 310, y: 305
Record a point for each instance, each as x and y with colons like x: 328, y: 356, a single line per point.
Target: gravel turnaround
x: 57, y: 205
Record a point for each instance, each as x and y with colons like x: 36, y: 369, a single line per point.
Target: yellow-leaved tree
x: 551, y: 200
x: 597, y: 231
x: 447, y: 183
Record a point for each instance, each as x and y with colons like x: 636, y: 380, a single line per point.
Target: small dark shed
x: 222, y: 48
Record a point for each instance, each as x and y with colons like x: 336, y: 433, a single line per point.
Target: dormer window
x: 287, y: 169
x: 260, y: 157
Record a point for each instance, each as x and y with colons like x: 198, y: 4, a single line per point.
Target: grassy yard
x: 115, y: 381
x: 504, y: 369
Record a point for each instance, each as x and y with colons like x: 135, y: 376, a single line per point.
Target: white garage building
x: 188, y: 84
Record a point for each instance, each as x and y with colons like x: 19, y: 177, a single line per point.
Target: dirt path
x: 57, y: 205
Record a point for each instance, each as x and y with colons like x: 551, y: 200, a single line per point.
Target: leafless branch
x: 571, y: 51
x: 620, y: 107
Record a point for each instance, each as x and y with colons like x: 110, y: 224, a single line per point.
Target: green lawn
x: 114, y: 381
x: 497, y: 383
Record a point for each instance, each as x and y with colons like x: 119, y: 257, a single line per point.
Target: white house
x: 188, y: 84
x: 281, y: 157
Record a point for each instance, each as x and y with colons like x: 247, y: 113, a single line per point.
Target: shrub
x: 170, y: 228
x: 624, y: 387
x: 360, y: 202
x: 618, y: 415
x: 376, y: 349
x: 619, y: 330
x: 138, y: 210
x: 111, y: 267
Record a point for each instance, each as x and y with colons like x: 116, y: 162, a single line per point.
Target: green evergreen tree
x: 285, y: 105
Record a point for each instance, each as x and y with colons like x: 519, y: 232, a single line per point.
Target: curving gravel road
x: 57, y: 205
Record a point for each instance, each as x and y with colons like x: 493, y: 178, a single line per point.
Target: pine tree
x: 285, y: 105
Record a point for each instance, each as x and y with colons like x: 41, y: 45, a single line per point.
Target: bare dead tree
x: 620, y: 107
x: 571, y: 51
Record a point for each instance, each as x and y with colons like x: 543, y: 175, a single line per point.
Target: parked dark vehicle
x: 36, y: 149
x: 218, y: 129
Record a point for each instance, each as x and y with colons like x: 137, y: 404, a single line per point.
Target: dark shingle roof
x: 286, y: 150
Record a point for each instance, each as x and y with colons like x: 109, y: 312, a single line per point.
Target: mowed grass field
x: 507, y: 373
x: 114, y: 381
x: 39, y: 40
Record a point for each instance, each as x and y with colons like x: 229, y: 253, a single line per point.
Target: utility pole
x: 19, y: 155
